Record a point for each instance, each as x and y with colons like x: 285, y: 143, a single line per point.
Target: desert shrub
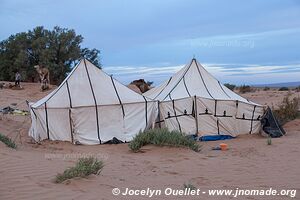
x: 266, y: 88
x: 287, y: 110
x: 283, y: 89
x: 189, y: 186
x: 162, y: 137
x: 269, y: 141
x: 297, y: 89
x: 230, y: 86
x: 6, y: 140
x: 83, y: 168
x: 244, y: 89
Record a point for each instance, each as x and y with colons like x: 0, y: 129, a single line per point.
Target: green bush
x: 230, y: 86
x: 283, y: 89
x: 189, y: 186
x: 269, y: 141
x: 287, y: 110
x: 244, y: 89
x: 6, y: 140
x: 83, y: 168
x: 266, y: 88
x: 162, y: 137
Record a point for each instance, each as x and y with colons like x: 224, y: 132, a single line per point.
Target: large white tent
x: 194, y: 102
x: 91, y: 107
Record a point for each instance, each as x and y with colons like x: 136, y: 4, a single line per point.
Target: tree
x: 58, y: 50
x: 283, y: 89
x: 230, y: 86
x: 92, y: 54
x: 244, y: 89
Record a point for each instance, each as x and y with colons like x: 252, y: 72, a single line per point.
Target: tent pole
x: 252, y: 120
x: 159, y: 121
x: 70, y: 112
x: 196, y: 115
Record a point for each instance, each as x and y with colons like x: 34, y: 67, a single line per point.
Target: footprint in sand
x: 170, y: 172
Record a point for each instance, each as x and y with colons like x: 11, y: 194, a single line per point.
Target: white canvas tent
x: 91, y: 107
x: 194, y: 102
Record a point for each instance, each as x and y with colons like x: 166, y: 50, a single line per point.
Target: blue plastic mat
x: 215, y: 137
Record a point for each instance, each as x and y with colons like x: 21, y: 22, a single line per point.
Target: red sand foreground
x: 249, y: 163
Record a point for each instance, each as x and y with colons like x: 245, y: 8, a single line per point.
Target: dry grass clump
x: 83, y: 168
x: 6, y: 140
x: 287, y: 110
x: 189, y: 186
x: 163, y: 137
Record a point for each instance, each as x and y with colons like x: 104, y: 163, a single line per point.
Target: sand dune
x: 29, y: 171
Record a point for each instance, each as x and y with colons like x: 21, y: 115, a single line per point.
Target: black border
x: 70, y: 113
x: 47, y: 125
x: 113, y: 83
x: 252, y: 119
x: 174, y: 110
x: 146, y: 111
x: 96, y: 107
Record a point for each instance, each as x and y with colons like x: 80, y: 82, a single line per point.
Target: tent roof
x: 88, y: 85
x: 193, y: 80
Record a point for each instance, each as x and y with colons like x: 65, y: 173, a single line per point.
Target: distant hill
x: 287, y: 84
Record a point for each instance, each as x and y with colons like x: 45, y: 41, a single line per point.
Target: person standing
x: 17, y: 79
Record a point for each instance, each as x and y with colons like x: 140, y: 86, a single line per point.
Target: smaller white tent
x: 91, y: 107
x: 194, y: 102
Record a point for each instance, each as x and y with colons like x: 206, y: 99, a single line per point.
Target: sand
x: 271, y: 97
x: 29, y: 171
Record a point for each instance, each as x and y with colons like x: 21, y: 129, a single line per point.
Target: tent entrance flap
x: 270, y: 125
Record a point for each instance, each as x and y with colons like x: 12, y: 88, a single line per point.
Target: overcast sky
x: 237, y: 41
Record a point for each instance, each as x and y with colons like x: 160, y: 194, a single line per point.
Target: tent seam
x: 113, y: 83
x: 174, y: 110
x: 96, y: 105
x: 180, y: 78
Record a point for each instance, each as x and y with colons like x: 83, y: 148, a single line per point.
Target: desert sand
x: 28, y: 172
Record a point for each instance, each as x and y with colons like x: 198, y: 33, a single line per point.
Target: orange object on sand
x: 223, y: 146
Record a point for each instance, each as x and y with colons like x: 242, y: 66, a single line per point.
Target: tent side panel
x: 207, y: 123
x: 178, y: 115
x: 225, y: 113
x: 85, y: 125
x: 38, y: 128
x: 248, y: 118
x: 135, y: 118
x: 79, y: 88
x: 60, y: 99
x: 257, y: 115
x: 59, y: 124
x: 111, y: 122
x: 152, y: 113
